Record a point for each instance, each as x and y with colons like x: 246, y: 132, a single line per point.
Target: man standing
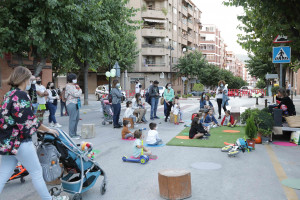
x: 41, y: 98
x: 33, y: 95
x: 138, y: 87
x: 154, y: 95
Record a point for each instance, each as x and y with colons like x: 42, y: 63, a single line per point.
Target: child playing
x: 126, y: 133
x: 210, y: 119
x: 137, y: 146
x: 153, y: 137
x: 129, y: 112
x: 197, y: 131
x: 228, y: 120
x: 205, y: 102
x: 177, y: 111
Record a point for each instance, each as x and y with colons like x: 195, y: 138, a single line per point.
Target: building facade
x: 170, y: 29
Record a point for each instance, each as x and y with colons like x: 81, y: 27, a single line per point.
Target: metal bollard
x: 266, y: 103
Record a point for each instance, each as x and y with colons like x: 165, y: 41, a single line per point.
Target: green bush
x: 274, y: 90
x: 251, y: 130
x: 248, y: 113
x: 198, y: 87
x: 189, y: 95
x: 184, y: 96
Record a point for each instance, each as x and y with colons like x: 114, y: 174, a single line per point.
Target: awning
x: 155, y: 20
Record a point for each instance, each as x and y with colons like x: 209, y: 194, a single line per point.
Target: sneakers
x: 57, y: 125
x: 156, y: 117
x: 51, y: 124
x: 166, y: 119
x: 60, y: 198
x: 207, y: 134
x: 76, y: 137
x: 152, y: 118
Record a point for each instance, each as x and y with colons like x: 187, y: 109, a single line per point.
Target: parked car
x: 196, y: 93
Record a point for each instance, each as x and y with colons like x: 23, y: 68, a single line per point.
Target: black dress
x: 196, y: 129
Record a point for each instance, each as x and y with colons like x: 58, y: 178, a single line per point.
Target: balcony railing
x: 154, y: 64
x: 185, y: 8
x: 157, y: 26
x: 153, y: 46
x: 190, y: 21
x: 184, y: 21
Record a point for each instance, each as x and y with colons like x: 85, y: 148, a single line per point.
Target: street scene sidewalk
x: 250, y: 175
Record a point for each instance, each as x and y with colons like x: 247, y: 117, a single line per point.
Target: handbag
x: 162, y: 99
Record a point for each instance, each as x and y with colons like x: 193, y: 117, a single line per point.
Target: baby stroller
x: 107, y: 111
x: 82, y: 172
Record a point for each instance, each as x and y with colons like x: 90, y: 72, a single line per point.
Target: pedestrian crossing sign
x: 281, y: 54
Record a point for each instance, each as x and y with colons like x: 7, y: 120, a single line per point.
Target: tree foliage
x: 261, y: 84
x: 194, y: 65
x: 262, y: 22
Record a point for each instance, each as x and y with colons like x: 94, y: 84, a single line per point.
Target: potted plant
x: 251, y: 131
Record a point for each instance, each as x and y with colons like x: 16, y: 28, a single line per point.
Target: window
x: 175, y: 27
x: 174, y: 10
x: 174, y: 44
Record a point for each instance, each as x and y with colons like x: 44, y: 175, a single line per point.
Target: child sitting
x: 210, y: 119
x: 137, y: 146
x: 177, y: 111
x: 228, y: 120
x: 129, y: 112
x: 126, y: 133
x: 197, y: 131
x: 205, y: 103
x: 153, y: 137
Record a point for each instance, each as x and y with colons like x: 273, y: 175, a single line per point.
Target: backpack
x: 109, y: 98
x: 194, y: 115
x: 49, y: 159
x: 147, y: 98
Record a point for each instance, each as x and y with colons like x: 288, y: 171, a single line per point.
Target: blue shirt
x: 137, y: 151
x: 210, y: 119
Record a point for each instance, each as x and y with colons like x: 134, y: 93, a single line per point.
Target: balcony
x: 154, y: 49
x: 155, y: 12
x: 190, y: 38
x: 154, y: 30
x: 190, y: 11
x: 154, y: 64
x: 184, y: 40
x: 184, y: 10
x: 184, y: 24
x: 190, y: 24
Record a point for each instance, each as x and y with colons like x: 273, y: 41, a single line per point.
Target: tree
x: 37, y: 27
x: 259, y: 67
x: 263, y: 21
x: 261, y: 84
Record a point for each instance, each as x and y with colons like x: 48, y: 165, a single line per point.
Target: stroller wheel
x: 54, y: 191
x: 22, y: 179
x: 110, y: 122
x: 103, y: 189
x: 77, y: 196
x: 103, y: 123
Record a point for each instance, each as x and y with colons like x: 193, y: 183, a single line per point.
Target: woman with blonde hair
x: 17, y: 125
x: 221, y: 95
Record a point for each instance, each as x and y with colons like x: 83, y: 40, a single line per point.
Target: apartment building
x: 212, y: 45
x: 170, y: 28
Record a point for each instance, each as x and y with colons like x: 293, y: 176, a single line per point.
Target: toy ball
x: 229, y: 124
x: 86, y: 146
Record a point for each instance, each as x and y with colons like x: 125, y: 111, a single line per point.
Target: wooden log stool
x: 131, y: 122
x: 88, y: 131
x: 174, y: 184
x: 171, y: 117
x: 235, y: 112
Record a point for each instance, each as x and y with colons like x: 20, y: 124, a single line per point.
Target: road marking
x: 289, y: 192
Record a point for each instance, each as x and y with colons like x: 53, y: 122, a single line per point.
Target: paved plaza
x: 249, y: 176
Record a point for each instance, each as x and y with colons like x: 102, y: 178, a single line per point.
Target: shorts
x: 42, y: 107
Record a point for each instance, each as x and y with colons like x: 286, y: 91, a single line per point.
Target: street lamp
x: 171, y: 48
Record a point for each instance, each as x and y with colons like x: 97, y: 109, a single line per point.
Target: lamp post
x: 171, y: 48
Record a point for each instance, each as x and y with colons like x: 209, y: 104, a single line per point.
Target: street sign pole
x: 280, y: 83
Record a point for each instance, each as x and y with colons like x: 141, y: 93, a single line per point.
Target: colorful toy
x: 86, y: 146
x: 234, y: 149
x: 20, y: 172
x: 143, y: 159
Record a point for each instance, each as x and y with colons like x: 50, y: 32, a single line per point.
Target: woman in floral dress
x: 17, y: 125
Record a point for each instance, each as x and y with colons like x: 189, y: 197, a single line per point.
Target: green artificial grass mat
x: 216, y: 140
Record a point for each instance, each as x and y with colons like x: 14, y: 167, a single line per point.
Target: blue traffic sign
x: 281, y: 54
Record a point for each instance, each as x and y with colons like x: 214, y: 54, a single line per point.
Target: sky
x: 225, y: 18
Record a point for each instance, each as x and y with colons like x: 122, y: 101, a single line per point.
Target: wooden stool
x: 235, y: 112
x: 171, y: 117
x: 174, y: 184
x: 87, y: 131
x: 131, y: 122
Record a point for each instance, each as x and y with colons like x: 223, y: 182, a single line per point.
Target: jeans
x: 168, y: 107
x: 116, y: 111
x: 180, y: 114
x: 35, y: 107
x: 52, y: 111
x: 154, y: 103
x: 62, y: 107
x: 73, y: 118
x: 29, y: 159
x: 219, y: 101
x: 165, y: 108
x: 133, y: 118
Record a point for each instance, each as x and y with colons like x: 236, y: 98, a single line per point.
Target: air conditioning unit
x: 158, y: 40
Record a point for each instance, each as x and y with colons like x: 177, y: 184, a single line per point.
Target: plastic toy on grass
x: 234, y: 149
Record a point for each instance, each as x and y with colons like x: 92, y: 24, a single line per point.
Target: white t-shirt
x: 152, y: 137
x: 137, y: 151
x: 176, y: 109
x: 41, y: 89
x: 137, y: 88
x: 128, y: 112
x: 220, y: 95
